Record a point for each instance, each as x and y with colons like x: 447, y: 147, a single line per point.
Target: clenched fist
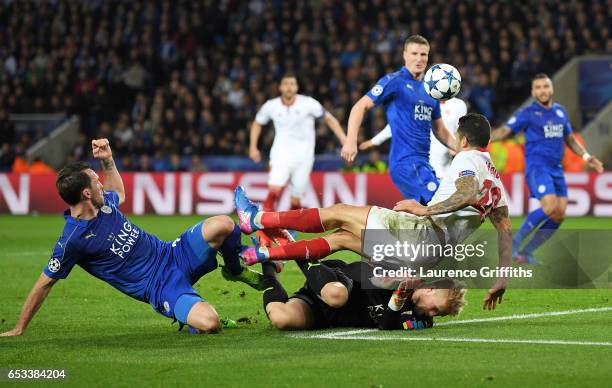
x: 101, y: 149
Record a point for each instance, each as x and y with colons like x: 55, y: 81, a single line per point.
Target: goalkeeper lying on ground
x: 337, y: 294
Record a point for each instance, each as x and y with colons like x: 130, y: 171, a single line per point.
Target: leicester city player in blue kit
x: 100, y: 239
x: 547, y: 128
x: 412, y: 114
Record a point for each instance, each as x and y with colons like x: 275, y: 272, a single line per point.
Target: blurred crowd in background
x: 169, y: 81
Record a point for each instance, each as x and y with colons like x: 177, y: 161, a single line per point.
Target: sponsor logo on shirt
x: 553, y: 130
x: 125, y: 240
x: 492, y: 169
x: 375, y: 310
x: 422, y: 112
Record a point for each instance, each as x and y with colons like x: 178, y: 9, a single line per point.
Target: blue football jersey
x: 545, y: 130
x: 410, y: 112
x: 110, y: 248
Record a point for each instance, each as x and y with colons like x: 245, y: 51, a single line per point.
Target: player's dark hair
x: 476, y: 128
x: 288, y: 75
x: 418, y: 39
x: 71, y: 181
x: 540, y: 76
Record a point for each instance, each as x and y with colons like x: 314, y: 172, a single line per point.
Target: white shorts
x: 297, y: 172
x: 385, y: 226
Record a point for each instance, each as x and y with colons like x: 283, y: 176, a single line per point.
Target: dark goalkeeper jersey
x: 367, y: 305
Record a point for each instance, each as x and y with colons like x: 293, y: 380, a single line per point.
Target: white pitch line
x: 526, y: 316
x: 480, y: 340
x: 342, y: 334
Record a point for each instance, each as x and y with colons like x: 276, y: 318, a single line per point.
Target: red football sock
x: 303, y: 220
x: 314, y: 249
x: 269, y: 204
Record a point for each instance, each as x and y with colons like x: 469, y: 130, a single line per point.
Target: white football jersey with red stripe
x: 491, y: 193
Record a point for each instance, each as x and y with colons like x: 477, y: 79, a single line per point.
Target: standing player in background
x: 547, y: 127
x: 412, y: 115
x: 100, y: 239
x: 439, y: 155
x: 292, y: 153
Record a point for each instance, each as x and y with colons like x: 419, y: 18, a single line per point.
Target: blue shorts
x: 416, y: 179
x: 190, y: 258
x: 545, y: 181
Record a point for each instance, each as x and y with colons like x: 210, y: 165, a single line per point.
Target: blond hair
x: 456, y: 294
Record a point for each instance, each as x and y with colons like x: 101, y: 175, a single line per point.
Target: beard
x: 544, y: 101
x: 98, y: 202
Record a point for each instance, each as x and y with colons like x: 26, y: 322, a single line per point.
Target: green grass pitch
x: 104, y: 338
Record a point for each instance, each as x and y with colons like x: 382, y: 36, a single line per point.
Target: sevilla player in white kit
x: 471, y: 193
x: 439, y: 154
x: 292, y: 153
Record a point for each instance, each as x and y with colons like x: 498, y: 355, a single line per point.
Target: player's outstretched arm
x: 254, y: 153
x: 377, y: 140
x: 35, y: 299
x: 112, y: 180
x: 500, y: 133
x: 579, y: 150
x: 467, y: 191
x: 349, y: 149
x: 443, y: 134
x: 500, y: 219
x: 333, y: 124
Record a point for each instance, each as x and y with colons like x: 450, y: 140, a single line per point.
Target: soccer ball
x: 442, y: 81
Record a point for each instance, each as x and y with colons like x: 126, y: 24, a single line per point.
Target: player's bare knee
x: 558, y: 216
x: 280, y: 319
x: 216, y: 229
x: 550, y: 208
x: 208, y: 323
x: 343, y: 239
x: 336, y: 214
x: 334, y: 294
x: 224, y: 225
x: 204, y: 318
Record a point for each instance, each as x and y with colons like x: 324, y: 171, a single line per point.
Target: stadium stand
x: 170, y: 82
